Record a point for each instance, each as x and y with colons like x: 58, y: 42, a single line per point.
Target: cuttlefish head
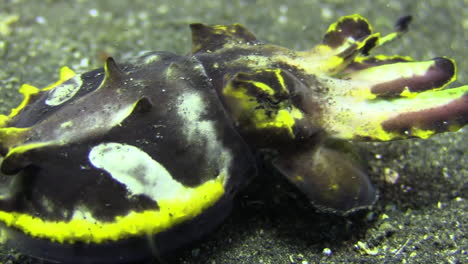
x: 297, y: 102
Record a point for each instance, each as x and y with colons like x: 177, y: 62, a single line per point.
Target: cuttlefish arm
x: 381, y: 98
x: 367, y: 98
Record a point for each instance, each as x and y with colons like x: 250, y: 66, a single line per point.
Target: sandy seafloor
x: 419, y: 219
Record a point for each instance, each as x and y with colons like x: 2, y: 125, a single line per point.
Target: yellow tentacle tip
x: 27, y: 91
x: 66, y: 73
x: 3, y: 121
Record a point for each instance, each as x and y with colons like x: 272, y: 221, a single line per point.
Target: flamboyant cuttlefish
x: 99, y: 166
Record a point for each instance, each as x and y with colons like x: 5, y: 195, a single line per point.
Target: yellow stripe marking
x: 171, y: 212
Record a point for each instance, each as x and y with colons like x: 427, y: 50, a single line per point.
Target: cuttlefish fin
x: 331, y: 178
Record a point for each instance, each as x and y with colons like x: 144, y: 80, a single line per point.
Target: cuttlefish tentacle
x: 381, y: 97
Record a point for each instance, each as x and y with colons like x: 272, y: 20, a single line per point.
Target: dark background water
x: 419, y: 219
